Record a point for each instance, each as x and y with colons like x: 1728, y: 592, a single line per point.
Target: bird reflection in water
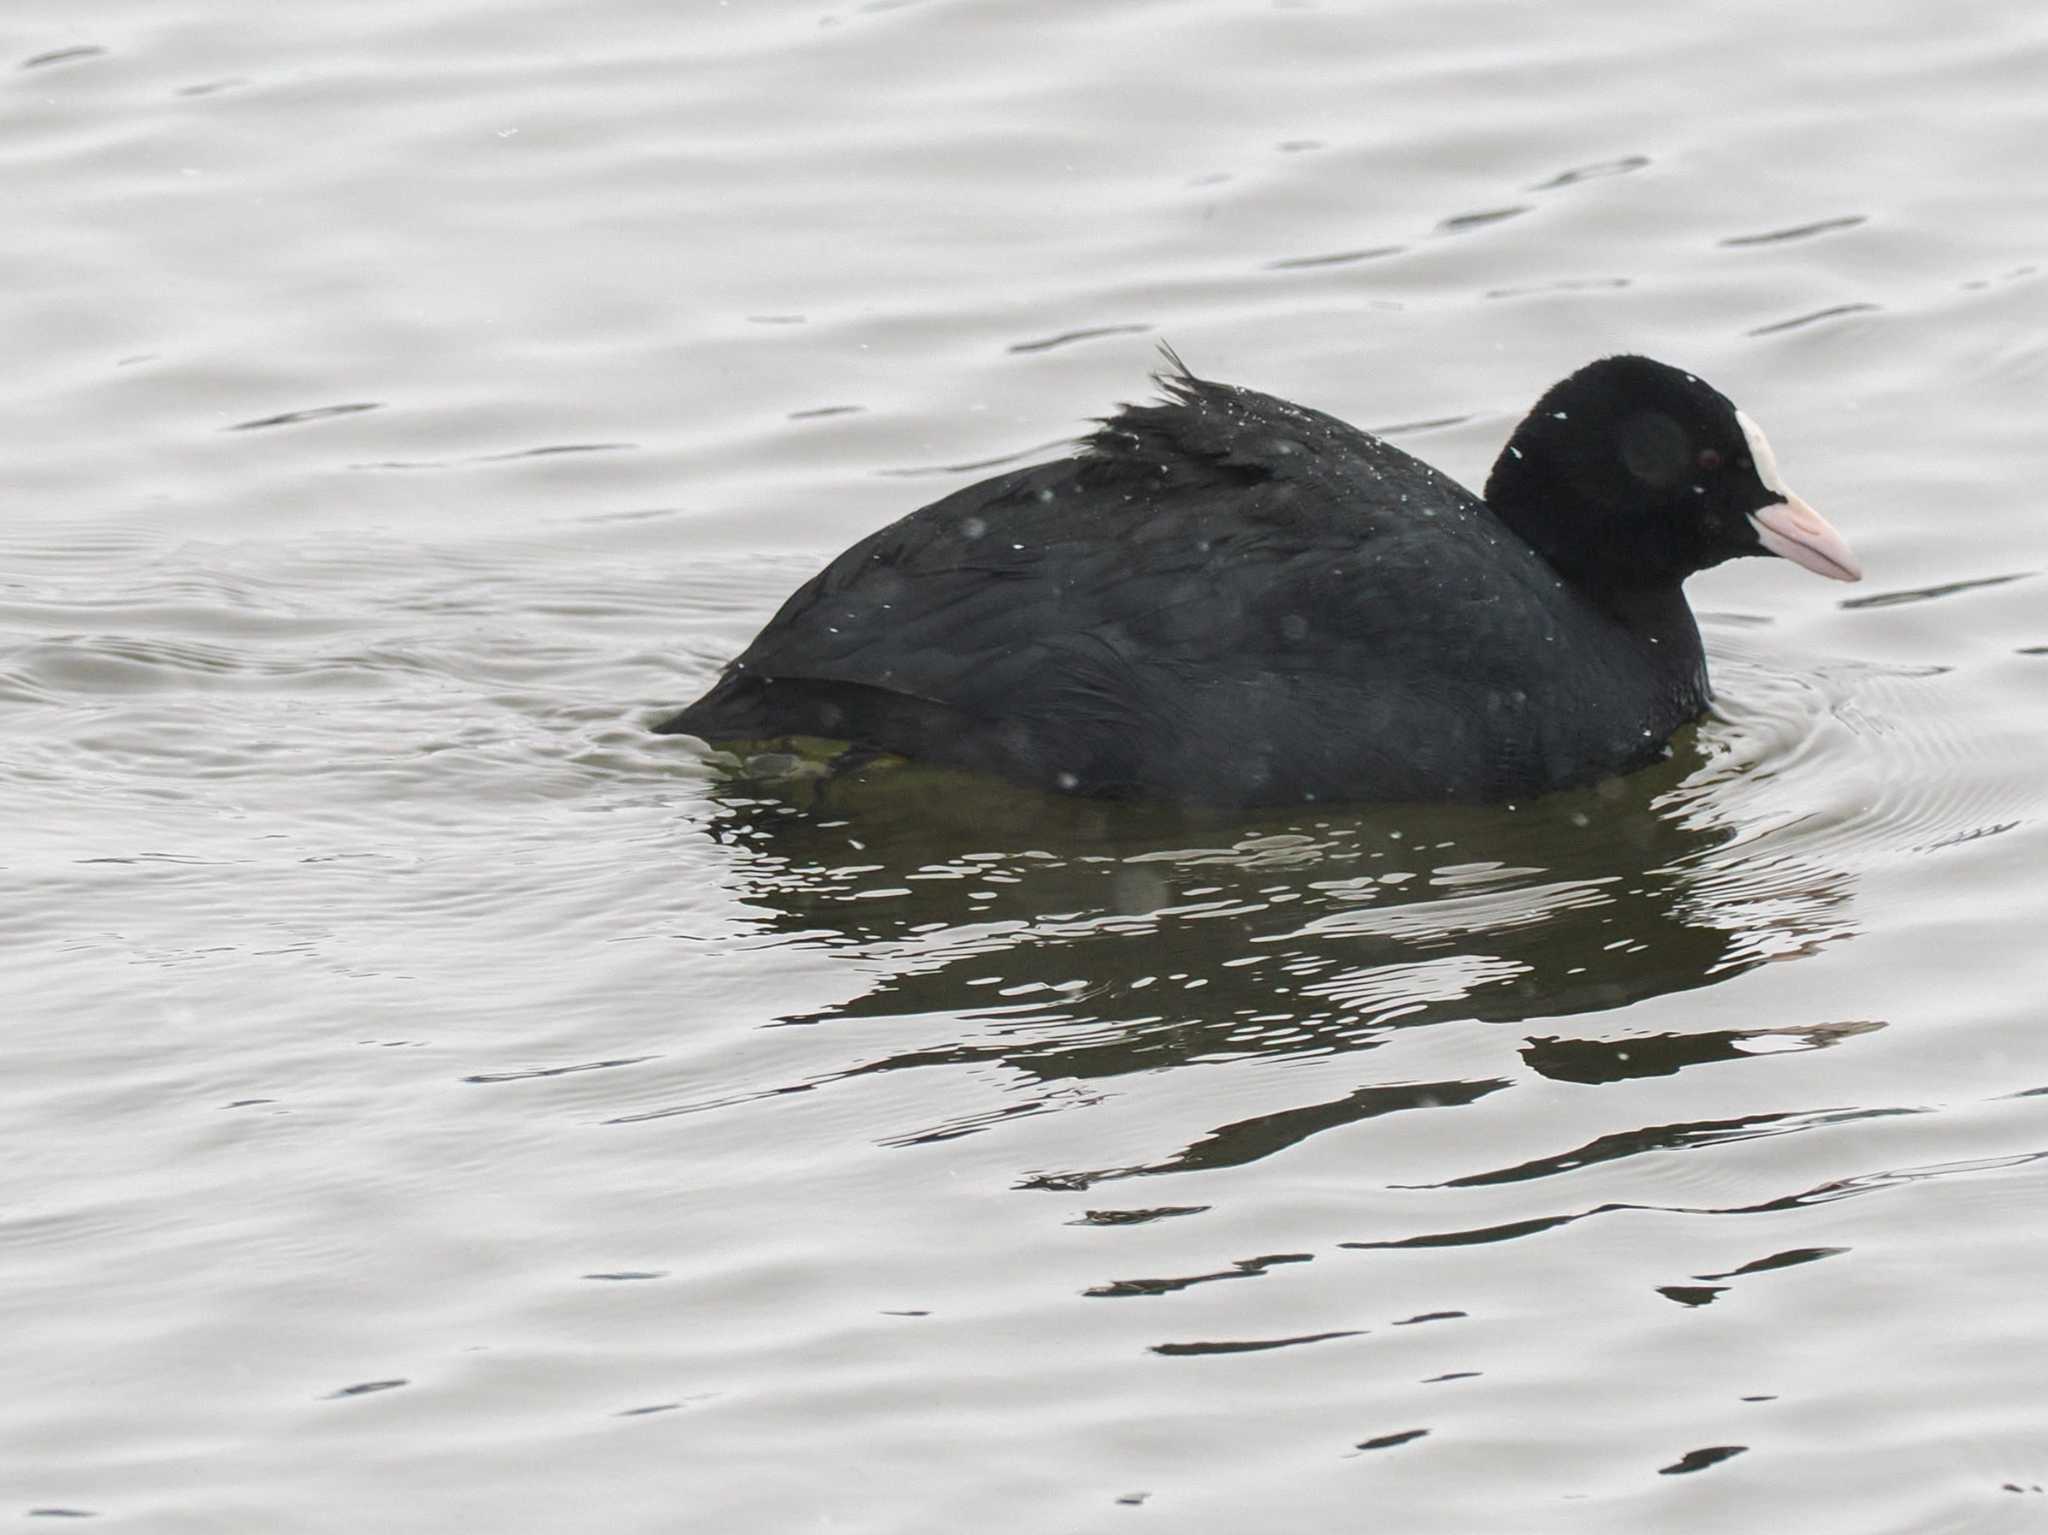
x: 1076, y: 942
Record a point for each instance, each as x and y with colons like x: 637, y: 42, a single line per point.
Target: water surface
x: 434, y: 1101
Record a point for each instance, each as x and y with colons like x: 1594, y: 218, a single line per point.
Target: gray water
x: 432, y: 1102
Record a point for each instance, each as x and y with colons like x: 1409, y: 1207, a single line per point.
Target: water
x: 432, y: 1100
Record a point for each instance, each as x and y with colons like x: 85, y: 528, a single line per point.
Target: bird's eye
x: 1710, y: 459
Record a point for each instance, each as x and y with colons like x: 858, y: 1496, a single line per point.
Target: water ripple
x: 1797, y: 231
x: 1334, y: 258
x: 1621, y: 166
x: 1459, y: 223
x: 301, y: 417
x: 64, y: 56
x: 1893, y: 599
x: 1800, y: 322
x: 1069, y: 337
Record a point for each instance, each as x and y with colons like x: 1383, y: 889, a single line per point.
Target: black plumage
x: 1227, y: 598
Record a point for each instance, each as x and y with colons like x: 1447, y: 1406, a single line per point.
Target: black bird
x: 1225, y: 598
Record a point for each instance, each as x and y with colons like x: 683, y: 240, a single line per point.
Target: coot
x: 1225, y: 598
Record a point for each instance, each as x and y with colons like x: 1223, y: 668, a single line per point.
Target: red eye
x: 1710, y: 459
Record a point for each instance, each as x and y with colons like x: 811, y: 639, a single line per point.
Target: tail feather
x: 745, y: 707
